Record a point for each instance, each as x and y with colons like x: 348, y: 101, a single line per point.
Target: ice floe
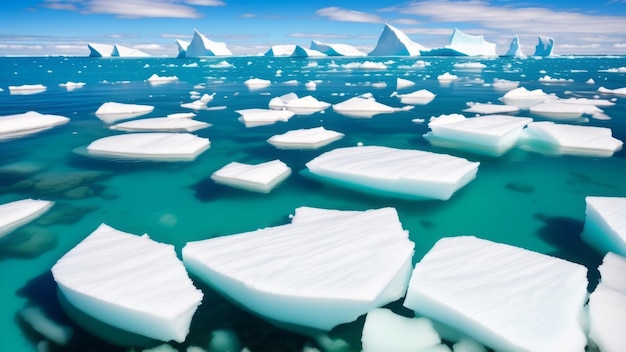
x: 504, y: 84
x: 158, y: 146
x: 500, y: 295
x: 200, y: 102
x: 604, y: 228
x: 171, y: 123
x: 130, y: 282
x: 110, y: 112
x: 301, y: 106
x: 157, y: 80
x: 555, y: 109
x: 419, y: 97
x: 403, y: 173
x: 447, y: 77
x: 402, y: 83
x: 469, y: 65
x: 325, y: 268
x: 310, y: 138
x: 548, y: 79
x: 72, y: 85
x: 618, y: 91
x: 257, y: 83
x: 18, y: 125
x: 485, y: 109
x: 20, y: 212
x: 524, y: 99
x: 365, y: 106
x: 27, y: 89
x: 260, y: 117
x: 262, y: 177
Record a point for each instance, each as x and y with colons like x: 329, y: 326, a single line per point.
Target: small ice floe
x: 262, y: 117
x: 615, y: 70
x: 491, y: 135
x: 503, y: 84
x: 310, y: 85
x: 72, y: 85
x: 325, y: 268
x: 486, y: 109
x: 306, y: 105
x: 262, y: 177
x: 311, y: 138
x: 366, y: 65
x: 19, y: 125
x: 222, y: 64
x: 365, y: 106
x: 201, y: 103
x: 618, y: 91
x: 590, y: 81
x: 402, y: 173
x: 279, y: 103
x: 447, y: 77
x: 402, y: 83
x: 130, y: 282
x: 20, y: 212
x: 257, y: 83
x: 291, y: 82
x: 27, y: 89
x: 585, y: 101
x: 558, y: 110
x: 469, y: 66
x: 419, y: 97
x: 607, y: 305
x: 157, y: 80
x: 171, y: 123
x: 524, y: 99
x: 604, y: 227
x: 548, y: 79
x: 111, y: 112
x: 159, y: 146
x: 551, y: 138
x: 39, y: 321
x: 527, y: 301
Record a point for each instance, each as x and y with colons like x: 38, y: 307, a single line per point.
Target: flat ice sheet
x: 261, y: 177
x: 17, y: 125
x: 259, y: 117
x: 20, y: 212
x: 167, y: 124
x: 480, y: 108
x: 150, y: 146
x: 110, y: 112
x: 309, y: 138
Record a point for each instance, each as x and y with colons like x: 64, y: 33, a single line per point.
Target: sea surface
x: 523, y: 198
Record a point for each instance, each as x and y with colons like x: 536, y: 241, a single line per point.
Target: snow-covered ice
x: 617, y: 91
x: 604, y: 228
x: 364, y: 106
x: 403, y: 173
x: 504, y: 84
x: 301, y: 106
x: 261, y: 177
x: 155, y: 79
x: 110, y: 112
x: 124, y: 51
x: 555, y: 109
x: 505, y: 297
x: 469, y: 65
x: 548, y: 79
x: 419, y: 97
x: 257, y: 83
x: 310, y: 138
x: 130, y: 282
x: 72, y: 85
x: 99, y: 50
x: 524, y: 99
x: 27, y: 89
x: 393, y: 42
x: 18, y: 125
x: 336, y: 49
x: 447, y: 77
x: 201, y: 46
x: 20, y: 212
x: 481, y: 108
x: 158, y: 146
x: 402, y: 83
x: 280, y: 102
x: 168, y: 124
x: 259, y: 117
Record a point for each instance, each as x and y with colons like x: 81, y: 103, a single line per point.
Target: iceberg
x: 100, y: 50
x: 200, y: 102
x: 158, y: 146
x: 505, y: 297
x: 182, y: 48
x: 462, y: 44
x: 515, y: 49
x: 604, y: 228
x: 261, y: 117
x: 336, y: 49
x: 306, y: 105
x: 447, y: 77
x: 544, y: 46
x: 27, y: 89
x: 325, y: 268
x: 20, y: 212
x: 402, y: 173
x: 161, y: 124
x: 201, y: 46
x: 280, y: 102
x: 393, y: 42
x: 300, y: 51
x: 130, y: 282
x: 310, y: 138
x: 262, y: 177
x: 110, y: 112
x: 19, y: 125
x: 280, y: 50
x: 364, y: 106
x: 123, y: 51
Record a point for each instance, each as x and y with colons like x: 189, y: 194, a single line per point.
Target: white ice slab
x: 605, y: 224
x: 364, y: 106
x: 310, y: 138
x: 167, y: 124
x: 564, y: 111
x: 447, y: 77
x: 306, y: 105
x: 157, y: 80
x: 546, y: 136
x: 419, y: 97
x: 260, y: 117
x: 280, y: 102
x: 402, y: 83
x: 505, y: 297
x: 130, y: 282
x: 111, y: 112
x: 404, y: 173
x: 491, y: 134
x: 261, y: 177
x: 485, y: 109
x: 150, y: 146
x: 18, y: 125
x: 469, y: 66
x: 317, y: 273
x: 21, y: 212
x: 385, y: 331
x: 617, y: 91
x: 257, y: 83
x: 27, y: 89
x: 524, y: 99
x: 72, y: 85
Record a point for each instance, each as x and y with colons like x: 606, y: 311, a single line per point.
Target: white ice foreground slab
x: 20, y: 212
x: 365, y: 106
x: 505, y: 297
x: 309, y: 138
x: 491, y: 134
x: 150, y: 146
x: 18, y: 125
x: 546, y: 136
x: 167, y: 124
x: 130, y: 282
x: 110, y: 112
x: 261, y: 177
x: 403, y: 173
x: 326, y: 268
x: 261, y: 117
x: 605, y: 224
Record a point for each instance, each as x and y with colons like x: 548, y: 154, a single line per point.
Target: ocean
x: 523, y: 198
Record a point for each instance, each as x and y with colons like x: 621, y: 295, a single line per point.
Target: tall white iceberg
x: 393, y: 42
x: 123, y: 51
x: 544, y: 46
x: 515, y: 49
x: 201, y: 46
x: 471, y: 45
x: 182, y: 47
x: 280, y: 50
x: 336, y: 49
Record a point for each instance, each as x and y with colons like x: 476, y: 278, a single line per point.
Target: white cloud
x: 317, y: 35
x: 339, y: 14
x: 205, y: 2
x: 249, y: 15
x: 619, y: 45
x: 148, y: 47
x: 142, y: 8
x: 406, y: 21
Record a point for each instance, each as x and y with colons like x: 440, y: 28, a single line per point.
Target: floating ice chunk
x: 200, y: 103
x: 548, y: 79
x: 402, y: 83
x: 447, y: 77
x: 503, y: 84
x: 469, y: 66
x: 315, y: 273
x: 72, y: 85
x: 40, y: 322
x: 20, y: 212
x: 366, y: 65
x: 18, y: 125
x: 363, y: 106
x: 130, y: 282
x: 167, y: 124
x: 156, y: 79
x: 527, y: 301
x: 480, y: 108
x: 150, y: 146
x: 419, y: 97
x: 604, y: 224
x: 471, y: 45
x: 280, y: 102
x: 393, y: 42
x: 111, y: 112
x: 570, y: 139
x: 492, y: 134
x: 615, y: 70
x: 618, y: 91
x: 564, y: 111
x: 222, y: 64
x: 306, y: 105
x: 257, y: 83
x: 261, y: 177
x: 260, y: 117
x: 523, y: 98
x: 386, y: 331
x: 612, y: 269
x: 585, y: 101
x: 311, y: 138
x: 412, y: 174
x: 590, y: 81
x: 27, y: 89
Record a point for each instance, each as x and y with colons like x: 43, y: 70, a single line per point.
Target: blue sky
x: 249, y: 27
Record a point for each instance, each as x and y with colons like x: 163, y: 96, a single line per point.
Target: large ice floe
x: 201, y: 46
x: 552, y: 138
x: 20, y: 212
x: 393, y: 42
x: 129, y: 282
x: 365, y: 105
x: 515, y: 49
x: 524, y: 99
x: 27, y: 89
x: 171, y: 123
x: 157, y: 146
x: 544, y: 46
x: 18, y: 125
x: 301, y: 106
x: 607, y: 306
x: 505, y: 297
x: 260, y: 117
x: 262, y: 177
x: 604, y: 228
x: 110, y: 112
x: 403, y: 173
x: 309, y: 138
x: 336, y: 49
x: 325, y: 268
x: 491, y: 134
x: 617, y: 91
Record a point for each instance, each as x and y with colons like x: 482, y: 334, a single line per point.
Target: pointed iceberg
x: 201, y: 46
x: 100, y: 50
x: 123, y: 51
x: 393, y: 42
x: 20, y: 212
x: 544, y: 46
x: 605, y: 229
x: 182, y: 48
x: 336, y: 49
x: 515, y: 49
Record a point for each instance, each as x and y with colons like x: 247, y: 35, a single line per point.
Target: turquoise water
x: 522, y: 198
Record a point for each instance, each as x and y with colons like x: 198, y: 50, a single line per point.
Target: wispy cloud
x: 135, y: 8
x: 339, y: 14
x: 317, y: 35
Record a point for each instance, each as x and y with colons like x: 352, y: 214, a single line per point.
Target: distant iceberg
x: 393, y: 42
x: 544, y: 46
x: 336, y: 49
x: 292, y: 51
x: 515, y: 49
x: 201, y: 46
x: 182, y: 48
x: 462, y: 44
x: 100, y: 50
x: 123, y: 51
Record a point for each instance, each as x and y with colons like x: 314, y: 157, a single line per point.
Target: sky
x: 250, y: 27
